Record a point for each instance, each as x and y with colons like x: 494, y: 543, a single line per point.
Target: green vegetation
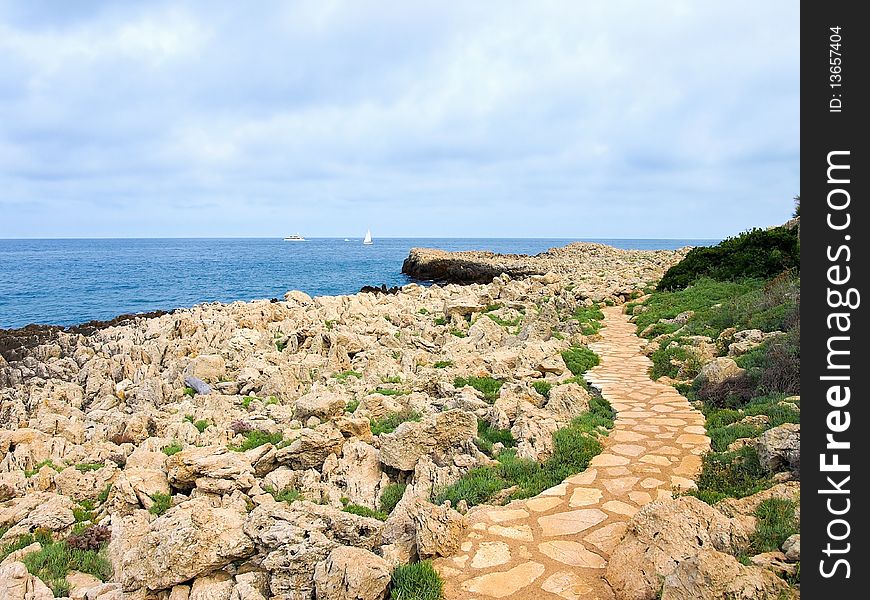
x: 458, y: 333
x: 256, y: 438
x: 730, y: 475
x: 104, y: 495
x: 758, y: 253
x: 440, y: 320
x: 543, y: 388
x: 391, y: 421
x: 416, y: 581
x: 352, y: 405
x: 343, y: 376
x: 443, y: 364
x: 776, y: 522
x: 573, y: 447
x: 45, y: 463
x: 246, y: 401
x: 423, y: 311
x: 363, y: 511
x: 329, y: 324
x: 506, y: 322
x: 87, y: 467
x: 579, y: 359
x: 55, y: 560
x: 589, y: 317
x: 487, y: 435
x: 173, y: 448
x: 288, y: 494
x: 189, y: 391
x: 487, y: 386
x: 392, y: 379
x: 389, y: 391
x: 667, y: 361
x: 162, y: 503
x: 280, y: 345
x: 391, y: 495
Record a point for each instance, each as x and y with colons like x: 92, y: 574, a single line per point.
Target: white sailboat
x: 368, y: 239
x: 294, y: 238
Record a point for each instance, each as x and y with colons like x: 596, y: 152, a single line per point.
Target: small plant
x: 491, y: 307
x: 391, y: 495
x: 458, y: 333
x: 343, y: 376
x: 488, y: 386
x: 392, y: 379
x: 364, y: 511
x: 776, y: 522
x: 543, y: 388
x: 351, y: 406
x: 162, y: 503
x: 201, y: 425
x: 257, y: 438
x: 440, y: 321
x: 45, y: 463
x: 391, y: 421
x: 104, y: 495
x: 189, y: 391
x: 416, y: 581
x: 329, y: 325
x: 246, y: 401
x: 389, y: 392
x: 280, y: 345
x: 84, y: 512
x: 590, y: 318
x: 173, y: 448
x: 288, y: 494
x: 443, y: 364
x: 579, y: 359
x: 87, y: 467
x: 94, y: 538
x: 423, y: 311
x: 272, y: 400
x: 241, y: 426
x: 487, y: 435
x: 55, y: 560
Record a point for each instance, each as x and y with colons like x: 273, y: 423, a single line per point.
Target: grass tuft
x: 488, y: 386
x: 416, y: 581
x: 391, y: 421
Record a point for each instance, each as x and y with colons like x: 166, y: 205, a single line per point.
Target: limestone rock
x: 438, y: 529
x: 311, y: 448
x: 17, y: 584
x: 710, y: 575
x: 319, y: 403
x: 351, y: 574
x: 780, y: 448
x: 719, y: 370
x: 404, y: 447
x: 792, y: 547
x: 185, y: 468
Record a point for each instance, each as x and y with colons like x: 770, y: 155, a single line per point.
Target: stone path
x: 556, y: 545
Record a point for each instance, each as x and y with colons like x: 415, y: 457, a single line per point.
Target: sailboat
x: 294, y: 238
x: 368, y: 239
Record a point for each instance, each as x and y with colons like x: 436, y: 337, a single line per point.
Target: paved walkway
x: 556, y: 545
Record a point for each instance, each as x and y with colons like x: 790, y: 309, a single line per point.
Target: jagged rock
x: 207, y: 367
x: 351, y: 574
x: 660, y: 537
x: 711, y: 575
x: 404, y: 447
x: 198, y: 385
x: 438, y: 529
x: 322, y: 404
x: 191, y: 539
x: 311, y: 448
x: 780, y: 448
x: 719, y: 370
x: 80, y: 584
x: 215, y: 586
x: 567, y: 401
x: 792, y: 547
x: 17, y: 584
x: 195, y: 466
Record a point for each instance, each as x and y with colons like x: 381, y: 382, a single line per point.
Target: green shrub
x: 730, y: 475
x: 189, y: 391
x: 343, y: 376
x: 246, y: 401
x: 364, y: 511
x: 758, y: 253
x: 104, y: 495
x: 416, y: 581
x: 487, y: 435
x: 458, y: 333
x: 45, y: 463
x: 440, y: 320
x: 173, y: 448
x: 288, y: 494
x: 506, y: 322
x: 55, y: 560
x: 488, y: 386
x: 443, y: 364
x: 391, y: 495
x: 162, y: 503
x: 257, y: 438
x: 391, y: 421
x: 201, y: 425
x: 589, y: 317
x: 352, y: 405
x: 389, y: 392
x: 579, y: 359
x: 543, y: 388
x: 423, y: 311
x: 776, y: 522
x: 667, y: 358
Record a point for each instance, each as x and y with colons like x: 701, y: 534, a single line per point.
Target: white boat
x: 294, y: 238
x: 368, y: 239
x: 346, y: 239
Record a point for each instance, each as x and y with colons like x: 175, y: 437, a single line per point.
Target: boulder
x: 351, y: 574
x: 779, y: 448
x: 711, y: 575
x: 319, y: 403
x: 310, y: 449
x: 438, y: 529
x: 187, y: 468
x: 207, y: 367
x: 567, y: 401
x: 791, y: 547
x: 660, y: 536
x: 214, y: 586
x: 435, y: 435
x: 17, y: 584
x: 192, y: 539
x: 718, y: 370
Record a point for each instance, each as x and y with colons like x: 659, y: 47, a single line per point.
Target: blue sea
x: 70, y: 281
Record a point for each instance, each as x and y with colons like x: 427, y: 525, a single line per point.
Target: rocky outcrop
x: 351, y: 574
x: 435, y: 436
x: 779, y: 448
x: 711, y: 575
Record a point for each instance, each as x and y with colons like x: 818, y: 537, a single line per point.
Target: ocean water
x: 64, y: 282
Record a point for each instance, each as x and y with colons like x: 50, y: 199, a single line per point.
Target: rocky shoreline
x: 273, y: 483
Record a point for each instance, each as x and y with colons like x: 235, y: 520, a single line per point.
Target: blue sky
x: 484, y: 119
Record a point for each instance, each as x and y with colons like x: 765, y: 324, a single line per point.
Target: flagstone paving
x: 556, y: 545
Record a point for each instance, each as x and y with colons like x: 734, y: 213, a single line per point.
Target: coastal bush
x: 543, y: 388
x: 288, y: 494
x: 45, y: 463
x: 344, y: 375
x: 162, y: 503
x: 487, y: 435
x: 391, y: 495
x: 363, y: 511
x: 589, y: 317
x: 487, y: 386
x: 257, y: 438
x: 730, y: 475
x: 173, y: 448
x: 416, y: 581
x: 443, y: 364
x: 458, y: 333
x: 505, y: 322
x: 757, y: 253
x: 104, y: 494
x: 94, y: 538
x: 55, y: 560
x: 775, y: 523
x: 392, y: 379
x: 574, y: 446
x: 440, y: 320
x: 579, y: 359
x: 391, y: 421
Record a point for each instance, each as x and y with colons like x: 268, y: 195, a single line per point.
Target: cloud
x: 552, y: 119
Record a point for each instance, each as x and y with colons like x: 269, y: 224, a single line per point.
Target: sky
x: 556, y: 119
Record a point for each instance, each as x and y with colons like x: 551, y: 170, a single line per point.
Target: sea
x: 70, y: 281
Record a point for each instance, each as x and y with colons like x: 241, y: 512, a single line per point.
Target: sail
x: 368, y: 238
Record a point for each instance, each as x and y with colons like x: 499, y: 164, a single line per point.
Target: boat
x: 346, y: 239
x: 294, y: 238
x: 368, y: 239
